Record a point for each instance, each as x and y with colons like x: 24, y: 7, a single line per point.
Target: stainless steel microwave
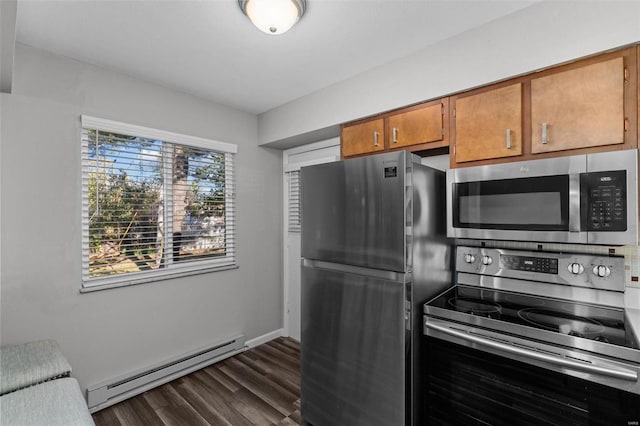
x: 585, y: 199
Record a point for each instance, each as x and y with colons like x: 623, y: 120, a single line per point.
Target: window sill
x: 118, y: 282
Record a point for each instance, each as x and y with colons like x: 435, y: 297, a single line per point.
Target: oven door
x: 524, y: 201
x: 475, y: 376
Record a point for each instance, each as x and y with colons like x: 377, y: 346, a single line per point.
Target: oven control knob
x: 487, y: 260
x: 601, y: 271
x: 469, y: 258
x: 575, y: 268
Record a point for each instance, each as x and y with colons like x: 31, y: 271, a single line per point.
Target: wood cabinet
x: 424, y: 124
x: 584, y: 106
x: 579, y: 108
x: 416, y: 128
x: 362, y: 138
x: 488, y: 124
x: 637, y: 123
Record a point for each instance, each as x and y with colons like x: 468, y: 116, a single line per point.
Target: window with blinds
x: 293, y: 178
x: 155, y: 204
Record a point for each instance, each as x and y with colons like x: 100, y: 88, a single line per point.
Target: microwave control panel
x: 603, y: 201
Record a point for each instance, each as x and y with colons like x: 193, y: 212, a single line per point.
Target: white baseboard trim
x: 252, y: 343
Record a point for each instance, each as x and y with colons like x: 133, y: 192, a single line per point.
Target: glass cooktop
x: 596, y: 323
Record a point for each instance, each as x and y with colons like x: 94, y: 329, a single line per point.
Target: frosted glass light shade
x: 273, y: 16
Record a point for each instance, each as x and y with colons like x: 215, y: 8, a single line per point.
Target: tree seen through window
x: 152, y: 203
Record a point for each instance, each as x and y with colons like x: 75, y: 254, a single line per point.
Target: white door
x: 293, y: 159
x: 292, y: 275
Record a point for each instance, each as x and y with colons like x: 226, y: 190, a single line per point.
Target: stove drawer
x: 467, y: 385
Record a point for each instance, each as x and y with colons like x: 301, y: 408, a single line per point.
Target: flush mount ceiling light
x: 273, y: 16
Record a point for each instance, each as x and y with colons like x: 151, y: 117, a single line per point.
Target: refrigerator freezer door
x: 354, y: 211
x: 354, y: 355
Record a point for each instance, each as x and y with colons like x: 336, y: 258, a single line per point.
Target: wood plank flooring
x: 258, y: 387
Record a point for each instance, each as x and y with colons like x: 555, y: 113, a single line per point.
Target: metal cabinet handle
x: 508, y: 138
x: 375, y: 138
x: 395, y: 135
x: 545, y: 137
x: 619, y: 374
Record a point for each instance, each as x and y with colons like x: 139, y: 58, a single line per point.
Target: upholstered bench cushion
x: 31, y: 363
x: 57, y: 402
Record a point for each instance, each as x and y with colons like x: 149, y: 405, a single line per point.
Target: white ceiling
x: 210, y: 49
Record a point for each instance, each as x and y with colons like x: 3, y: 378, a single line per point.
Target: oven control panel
x: 576, y: 269
x: 543, y: 265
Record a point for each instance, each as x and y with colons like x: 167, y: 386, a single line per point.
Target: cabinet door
x: 417, y: 126
x: 489, y: 124
x: 579, y: 108
x: 363, y: 138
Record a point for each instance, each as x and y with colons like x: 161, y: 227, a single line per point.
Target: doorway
x: 293, y: 159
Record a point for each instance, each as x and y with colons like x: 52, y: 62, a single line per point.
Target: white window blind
x: 155, y: 204
x: 293, y: 178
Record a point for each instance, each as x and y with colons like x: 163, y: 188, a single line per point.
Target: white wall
x: 108, y: 333
x: 542, y: 35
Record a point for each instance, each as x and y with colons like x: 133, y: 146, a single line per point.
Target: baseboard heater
x: 113, y: 391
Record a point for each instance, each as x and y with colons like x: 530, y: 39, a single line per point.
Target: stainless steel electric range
x: 532, y: 338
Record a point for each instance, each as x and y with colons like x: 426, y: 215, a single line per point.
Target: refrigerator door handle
x: 398, y: 277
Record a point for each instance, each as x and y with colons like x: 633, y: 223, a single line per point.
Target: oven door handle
x: 590, y: 368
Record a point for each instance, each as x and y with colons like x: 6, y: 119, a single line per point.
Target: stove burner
x: 562, y: 322
x: 476, y: 307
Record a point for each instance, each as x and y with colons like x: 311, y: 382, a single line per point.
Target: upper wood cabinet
x: 488, y: 124
x: 415, y: 128
x: 418, y: 125
x: 362, y: 138
x: 584, y: 106
x: 579, y: 108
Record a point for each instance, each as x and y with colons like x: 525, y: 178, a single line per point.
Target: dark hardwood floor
x: 258, y: 387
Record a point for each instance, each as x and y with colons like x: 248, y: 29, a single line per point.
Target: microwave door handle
x: 574, y: 202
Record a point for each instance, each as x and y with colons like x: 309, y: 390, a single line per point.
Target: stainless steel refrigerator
x: 373, y: 251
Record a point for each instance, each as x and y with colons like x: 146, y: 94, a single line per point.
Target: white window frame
x: 175, y: 270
